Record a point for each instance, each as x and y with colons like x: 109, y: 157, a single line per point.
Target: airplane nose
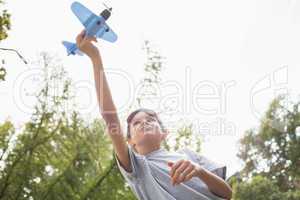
x: 106, y: 14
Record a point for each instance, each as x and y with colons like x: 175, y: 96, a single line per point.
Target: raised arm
x: 105, y: 101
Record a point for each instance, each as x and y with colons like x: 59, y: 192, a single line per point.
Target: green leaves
x: 4, y: 24
x: 2, y: 74
x: 4, y: 28
x: 271, y: 153
x: 152, y: 72
x: 57, y: 154
x: 259, y: 189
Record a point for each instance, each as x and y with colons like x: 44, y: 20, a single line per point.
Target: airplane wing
x: 82, y: 13
x: 107, y: 33
x: 86, y: 16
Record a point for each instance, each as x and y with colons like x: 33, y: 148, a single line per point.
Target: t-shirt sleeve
x: 129, y: 176
x: 212, y: 166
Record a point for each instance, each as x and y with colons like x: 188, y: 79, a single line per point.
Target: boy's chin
x: 152, y: 134
x: 151, y: 137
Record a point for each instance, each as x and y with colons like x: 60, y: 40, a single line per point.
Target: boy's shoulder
x: 189, y: 152
x: 201, y: 159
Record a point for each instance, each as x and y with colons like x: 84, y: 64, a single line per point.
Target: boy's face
x: 145, y: 129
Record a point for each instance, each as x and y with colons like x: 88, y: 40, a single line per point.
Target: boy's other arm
x: 184, y: 170
x: 105, y: 101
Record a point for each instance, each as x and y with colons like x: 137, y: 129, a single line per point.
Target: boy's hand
x: 85, y: 45
x: 184, y: 170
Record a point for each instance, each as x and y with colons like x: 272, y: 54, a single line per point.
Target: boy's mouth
x: 147, y: 128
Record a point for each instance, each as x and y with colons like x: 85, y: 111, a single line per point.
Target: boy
x: 152, y: 172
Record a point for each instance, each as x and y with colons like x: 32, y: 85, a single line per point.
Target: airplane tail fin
x: 72, y: 48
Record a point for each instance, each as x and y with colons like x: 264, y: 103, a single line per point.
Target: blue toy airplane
x: 94, y: 26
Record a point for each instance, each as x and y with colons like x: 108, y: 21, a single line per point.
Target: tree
x: 57, y: 155
x: 259, y: 189
x: 273, y: 151
x: 153, y: 67
x: 4, y: 27
x: 4, y: 23
x: 152, y: 73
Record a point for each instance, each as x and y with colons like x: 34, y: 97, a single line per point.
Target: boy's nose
x: 145, y: 121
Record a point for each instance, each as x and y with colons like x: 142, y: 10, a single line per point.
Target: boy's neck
x: 143, y: 150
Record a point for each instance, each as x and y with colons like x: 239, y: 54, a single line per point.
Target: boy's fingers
x: 190, y: 175
x: 178, y: 172
x: 79, y: 39
x: 174, y: 167
x: 95, y: 39
x: 187, y: 171
x: 82, y: 33
x: 82, y: 36
x: 89, y: 39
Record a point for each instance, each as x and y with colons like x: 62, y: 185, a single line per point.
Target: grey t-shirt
x: 150, y: 179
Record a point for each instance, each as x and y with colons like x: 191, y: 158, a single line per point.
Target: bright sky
x: 237, y: 54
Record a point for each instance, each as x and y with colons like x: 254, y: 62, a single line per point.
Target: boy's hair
x: 145, y: 110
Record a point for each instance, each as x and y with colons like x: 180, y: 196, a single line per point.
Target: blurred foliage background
x: 58, y: 154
